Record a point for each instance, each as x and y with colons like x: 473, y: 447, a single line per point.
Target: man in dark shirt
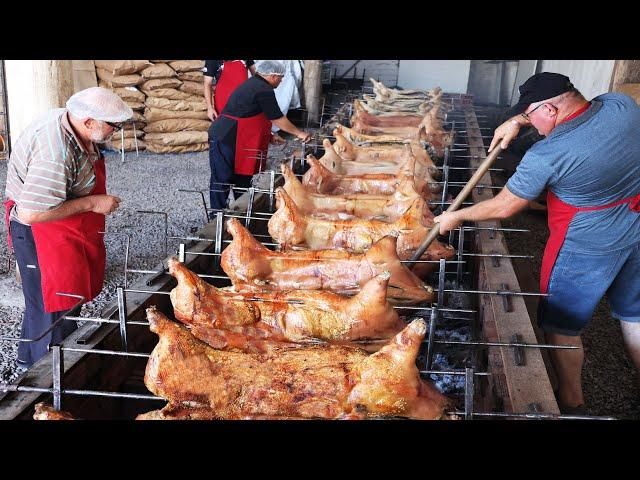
x: 240, y: 136
x: 221, y: 78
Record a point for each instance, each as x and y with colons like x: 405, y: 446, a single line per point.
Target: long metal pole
x: 473, y: 181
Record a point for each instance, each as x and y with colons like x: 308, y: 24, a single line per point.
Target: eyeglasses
x: 526, y: 114
x: 115, y: 125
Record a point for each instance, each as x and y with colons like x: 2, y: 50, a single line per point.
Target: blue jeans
x: 579, y: 281
x: 35, y: 320
x: 221, y: 162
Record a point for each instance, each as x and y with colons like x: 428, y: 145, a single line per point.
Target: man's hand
x: 506, y: 132
x: 211, y: 113
x: 304, y: 137
x: 448, y: 221
x: 276, y: 140
x: 104, y: 204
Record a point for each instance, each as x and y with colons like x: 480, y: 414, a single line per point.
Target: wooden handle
x: 462, y: 196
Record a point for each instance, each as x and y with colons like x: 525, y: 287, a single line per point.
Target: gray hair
x: 270, y: 67
x: 100, y: 104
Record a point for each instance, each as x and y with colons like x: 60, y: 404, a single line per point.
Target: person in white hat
x: 56, y: 202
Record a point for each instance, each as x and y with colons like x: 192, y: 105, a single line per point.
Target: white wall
x: 20, y: 90
x: 22, y: 107
x: 450, y: 75
x: 384, y: 70
x: 591, y: 77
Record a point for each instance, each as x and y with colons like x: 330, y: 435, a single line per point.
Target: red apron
x: 234, y: 72
x: 252, y: 143
x: 71, y: 252
x: 560, y: 216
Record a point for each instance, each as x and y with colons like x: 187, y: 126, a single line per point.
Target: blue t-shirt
x: 593, y: 159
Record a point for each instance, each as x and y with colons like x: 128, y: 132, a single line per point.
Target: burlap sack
x: 187, y: 65
x: 122, y: 67
x: 160, y: 83
x: 161, y: 70
x: 177, y: 125
x: 191, y: 76
x: 176, y: 104
x: 194, y: 88
x: 152, y: 114
x: 173, y: 94
x: 138, y: 118
x: 135, y: 105
x: 129, y: 145
x: 177, y: 138
x: 198, y: 147
x: 114, y: 81
x: 131, y: 94
x: 128, y: 133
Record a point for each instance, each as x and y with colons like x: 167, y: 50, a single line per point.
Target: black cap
x: 540, y: 86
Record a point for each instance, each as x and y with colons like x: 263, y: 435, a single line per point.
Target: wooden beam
x: 624, y: 71
x: 313, y: 88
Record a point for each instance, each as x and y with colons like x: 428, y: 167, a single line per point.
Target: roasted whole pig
x: 321, y: 381
x: 385, y: 92
x: 47, y: 412
x: 361, y: 114
x: 320, y: 179
x: 290, y: 227
x: 282, y: 316
x: 360, y: 138
x: 358, y: 205
x: 252, y: 266
x: 381, y: 159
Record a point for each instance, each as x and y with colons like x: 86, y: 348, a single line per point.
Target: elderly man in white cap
x: 55, y: 210
x: 240, y: 136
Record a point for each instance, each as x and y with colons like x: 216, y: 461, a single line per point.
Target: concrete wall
x: 451, y: 75
x: 591, y: 77
x: 21, y: 89
x: 385, y: 71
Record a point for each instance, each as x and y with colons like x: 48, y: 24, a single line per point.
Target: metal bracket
x: 122, y: 317
x: 441, y: 276
x: 507, y: 306
x: 495, y: 261
x: 57, y: 370
x: 218, y: 245
x: 432, y: 330
x: 518, y: 352
x: 468, y: 393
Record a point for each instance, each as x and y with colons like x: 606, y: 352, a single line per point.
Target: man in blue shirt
x: 590, y: 164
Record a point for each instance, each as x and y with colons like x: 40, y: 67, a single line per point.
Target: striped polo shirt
x: 49, y: 165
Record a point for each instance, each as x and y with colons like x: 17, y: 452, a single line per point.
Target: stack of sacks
x: 176, y: 112
x: 123, y: 77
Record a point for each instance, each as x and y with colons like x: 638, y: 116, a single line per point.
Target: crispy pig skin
x: 252, y: 266
x: 318, y: 315
x: 47, y: 412
x: 323, y: 381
